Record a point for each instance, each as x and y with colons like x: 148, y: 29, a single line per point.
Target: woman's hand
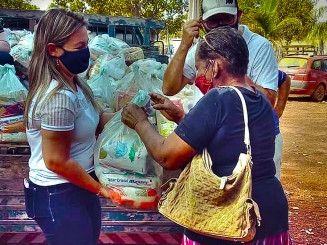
x: 132, y: 115
x: 168, y: 109
x: 106, y: 192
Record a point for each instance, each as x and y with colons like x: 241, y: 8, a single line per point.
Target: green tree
x: 18, y: 4
x: 318, y: 32
x: 280, y: 20
x: 171, y: 11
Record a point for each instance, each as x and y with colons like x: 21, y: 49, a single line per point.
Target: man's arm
x: 269, y: 93
x: 264, y: 72
x: 283, y: 92
x: 174, y: 80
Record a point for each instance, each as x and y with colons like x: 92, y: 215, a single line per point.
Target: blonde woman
x: 62, y: 118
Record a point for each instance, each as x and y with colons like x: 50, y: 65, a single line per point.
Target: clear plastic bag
x: 119, y: 146
x: 104, y: 90
x: 11, y: 87
x: 123, y: 163
x: 22, y: 52
x: 103, y: 44
x: 133, y: 54
x: 189, y: 96
x: 15, y: 36
x: 141, y: 77
x: 12, y: 104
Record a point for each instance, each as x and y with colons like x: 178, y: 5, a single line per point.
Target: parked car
x: 308, y: 75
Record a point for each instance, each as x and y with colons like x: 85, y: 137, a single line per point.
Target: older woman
x: 216, y: 123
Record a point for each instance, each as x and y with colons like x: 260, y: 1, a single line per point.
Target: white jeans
x: 278, y: 154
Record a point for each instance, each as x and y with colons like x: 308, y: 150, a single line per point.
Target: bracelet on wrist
x: 99, y: 192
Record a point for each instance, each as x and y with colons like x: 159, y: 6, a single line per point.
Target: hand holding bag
x: 220, y: 207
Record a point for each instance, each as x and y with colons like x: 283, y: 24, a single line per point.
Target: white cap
x: 212, y: 7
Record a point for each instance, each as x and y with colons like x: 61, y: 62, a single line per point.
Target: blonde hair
x: 55, y: 26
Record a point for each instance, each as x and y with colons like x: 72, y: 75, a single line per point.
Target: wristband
x: 99, y: 192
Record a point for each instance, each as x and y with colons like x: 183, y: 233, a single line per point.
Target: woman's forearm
x: 153, y: 141
x: 74, y: 173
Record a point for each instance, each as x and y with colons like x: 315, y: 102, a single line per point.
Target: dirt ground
x: 304, y: 169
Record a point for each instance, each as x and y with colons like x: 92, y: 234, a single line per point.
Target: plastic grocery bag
x: 119, y: 146
x: 103, y: 44
x: 14, y: 37
x: 12, y: 105
x: 22, y: 52
x: 104, y: 90
x: 116, y: 66
x: 165, y: 127
x: 11, y: 87
x: 131, y: 190
x: 141, y: 77
x: 133, y: 54
x: 123, y: 164
x: 188, y: 96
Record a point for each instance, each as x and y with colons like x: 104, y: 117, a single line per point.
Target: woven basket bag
x: 220, y: 207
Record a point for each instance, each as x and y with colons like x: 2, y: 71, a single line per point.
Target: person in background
x: 284, y: 85
x: 62, y: 118
x: 5, y: 57
x: 217, y: 123
x: 262, y: 70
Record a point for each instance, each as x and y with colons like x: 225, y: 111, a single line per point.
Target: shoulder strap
x: 246, y: 119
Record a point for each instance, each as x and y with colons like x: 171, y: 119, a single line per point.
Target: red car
x: 308, y: 74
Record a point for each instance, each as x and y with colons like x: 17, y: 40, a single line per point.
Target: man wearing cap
x: 262, y: 70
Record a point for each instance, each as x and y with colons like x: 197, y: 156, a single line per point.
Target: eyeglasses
x: 219, y: 20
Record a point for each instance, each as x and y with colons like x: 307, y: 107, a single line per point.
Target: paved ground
x: 304, y: 170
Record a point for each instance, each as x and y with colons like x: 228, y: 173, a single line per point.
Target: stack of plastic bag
x: 103, y: 44
x: 123, y: 164
x: 15, y: 36
x: 22, y: 52
x: 12, y: 105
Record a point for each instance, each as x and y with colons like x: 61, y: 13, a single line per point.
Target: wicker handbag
x: 219, y: 207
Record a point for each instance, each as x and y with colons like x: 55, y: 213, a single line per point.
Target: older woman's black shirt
x: 217, y: 123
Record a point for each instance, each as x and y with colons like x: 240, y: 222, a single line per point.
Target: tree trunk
x: 322, y: 47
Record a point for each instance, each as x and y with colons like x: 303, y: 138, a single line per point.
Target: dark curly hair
x: 225, y: 43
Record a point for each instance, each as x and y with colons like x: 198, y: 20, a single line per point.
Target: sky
x: 42, y: 4
x: 322, y: 3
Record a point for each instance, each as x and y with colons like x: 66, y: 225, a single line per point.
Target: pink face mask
x: 202, y: 83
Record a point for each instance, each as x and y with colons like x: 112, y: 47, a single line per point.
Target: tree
x: 171, y: 11
x: 18, y: 4
x: 319, y: 30
x: 280, y: 20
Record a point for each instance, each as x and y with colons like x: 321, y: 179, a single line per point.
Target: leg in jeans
x: 65, y: 215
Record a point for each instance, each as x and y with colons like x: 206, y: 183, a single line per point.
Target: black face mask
x: 76, y: 61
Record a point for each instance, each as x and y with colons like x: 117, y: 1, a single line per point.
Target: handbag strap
x: 206, y: 157
x: 246, y: 119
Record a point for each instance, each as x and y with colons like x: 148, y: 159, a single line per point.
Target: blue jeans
x: 66, y: 213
